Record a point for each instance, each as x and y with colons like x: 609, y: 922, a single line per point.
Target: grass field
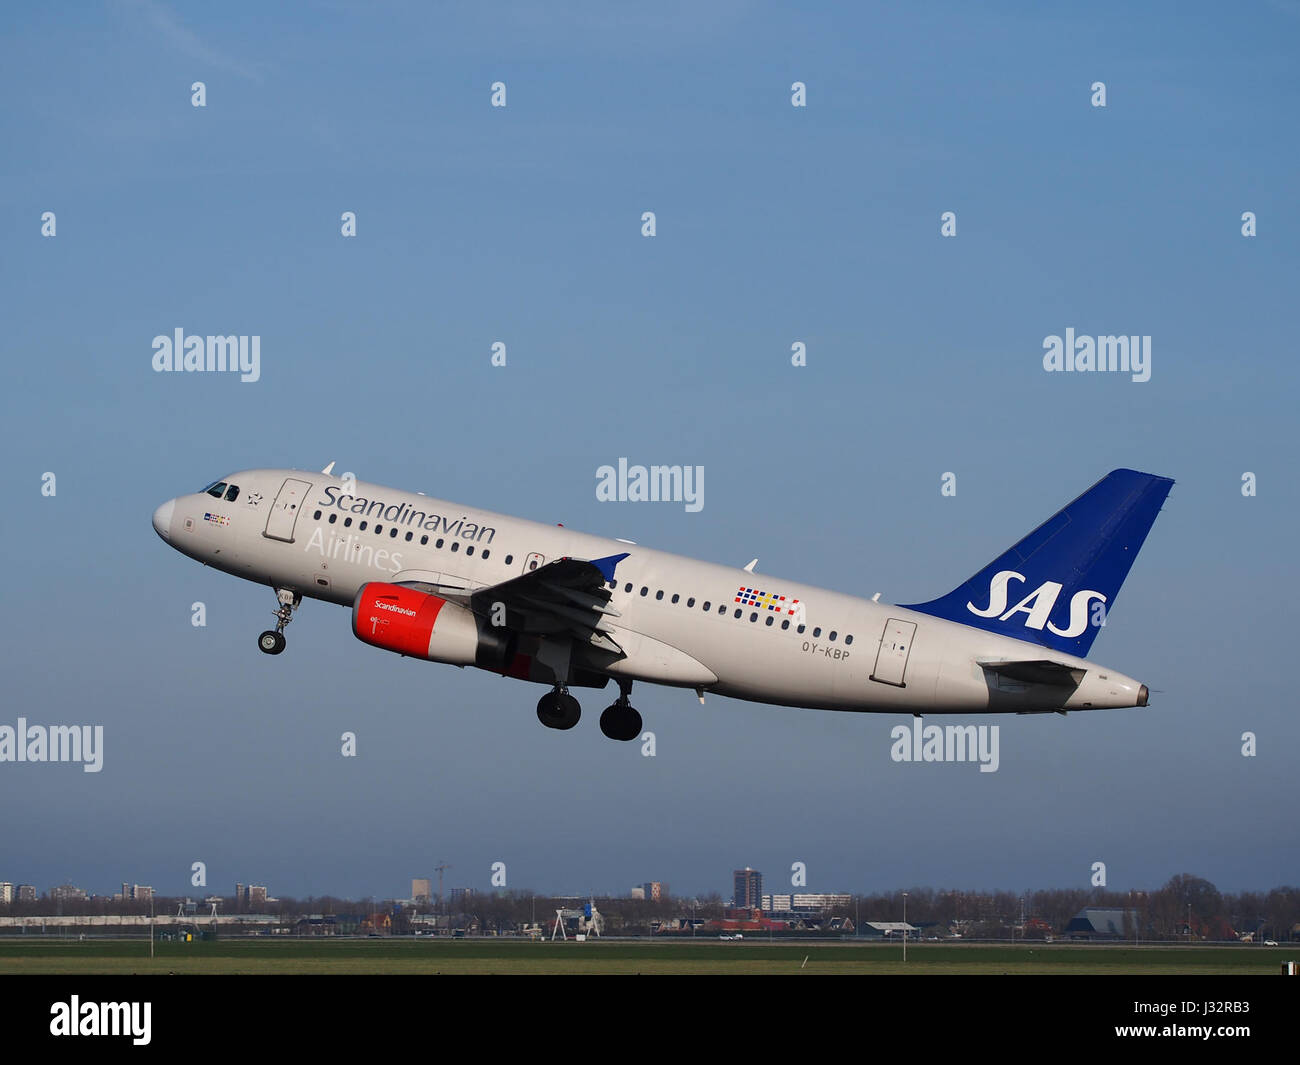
x: 494, y: 956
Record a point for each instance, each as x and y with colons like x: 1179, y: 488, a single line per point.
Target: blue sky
x: 522, y: 224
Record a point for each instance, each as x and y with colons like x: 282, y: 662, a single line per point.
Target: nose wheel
x: 558, y: 709
x: 620, y: 721
x: 272, y: 641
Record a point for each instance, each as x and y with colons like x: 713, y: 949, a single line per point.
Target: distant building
x: 638, y: 892
x: 6, y: 893
x: 63, y: 892
x: 421, y: 890
x: 777, y: 903
x: 135, y: 893
x: 818, y: 902
x: 250, y: 895
x: 748, y: 893
x: 890, y: 929
x: 653, y: 890
x: 1100, y: 923
x: 459, y: 895
x: 26, y: 893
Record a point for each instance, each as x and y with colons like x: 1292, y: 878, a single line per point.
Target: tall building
x: 654, y: 891
x: 421, y: 890
x: 249, y: 895
x: 26, y: 893
x: 6, y: 893
x: 749, y: 889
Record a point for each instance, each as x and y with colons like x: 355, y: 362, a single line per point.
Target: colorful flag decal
x: 778, y: 604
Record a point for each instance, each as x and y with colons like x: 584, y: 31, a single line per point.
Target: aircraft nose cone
x: 162, y: 520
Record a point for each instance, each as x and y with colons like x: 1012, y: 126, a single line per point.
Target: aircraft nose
x: 162, y: 520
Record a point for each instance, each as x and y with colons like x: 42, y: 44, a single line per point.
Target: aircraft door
x: 284, y: 512
x: 895, y: 646
x: 533, y: 561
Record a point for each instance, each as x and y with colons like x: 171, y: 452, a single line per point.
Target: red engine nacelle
x: 415, y: 623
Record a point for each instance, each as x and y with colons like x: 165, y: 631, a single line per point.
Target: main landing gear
x: 620, y: 721
x: 558, y: 709
x: 272, y: 641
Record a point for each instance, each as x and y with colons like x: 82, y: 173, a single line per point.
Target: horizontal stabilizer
x: 1038, y: 672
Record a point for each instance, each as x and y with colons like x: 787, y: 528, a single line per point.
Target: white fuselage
x: 678, y: 620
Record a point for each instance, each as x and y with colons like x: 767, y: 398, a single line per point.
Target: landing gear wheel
x: 272, y: 641
x: 620, y: 722
x: 558, y: 709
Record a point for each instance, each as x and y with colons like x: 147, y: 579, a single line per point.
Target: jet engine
x: 415, y: 623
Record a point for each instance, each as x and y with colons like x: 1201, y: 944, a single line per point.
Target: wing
x: 566, y: 598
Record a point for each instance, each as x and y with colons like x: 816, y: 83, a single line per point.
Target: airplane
x: 435, y: 580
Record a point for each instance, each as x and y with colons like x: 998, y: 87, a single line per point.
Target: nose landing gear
x: 620, y: 721
x: 272, y: 641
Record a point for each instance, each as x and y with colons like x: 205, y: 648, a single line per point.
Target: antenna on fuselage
x: 328, y: 469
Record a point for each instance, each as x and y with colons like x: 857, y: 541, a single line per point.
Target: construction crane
x: 440, y: 867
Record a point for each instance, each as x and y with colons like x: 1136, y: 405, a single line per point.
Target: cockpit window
x: 232, y: 493
x: 216, y: 489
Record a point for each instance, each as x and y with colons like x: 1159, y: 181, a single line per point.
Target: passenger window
x: 785, y: 624
x: 627, y: 587
x: 769, y: 621
x: 347, y: 522
x: 644, y: 591
x: 469, y: 550
x: 392, y: 532
x: 832, y: 635
x: 409, y: 537
x: 509, y: 558
x: 659, y: 594
x: 800, y: 629
x: 707, y: 606
x: 691, y: 601
x: 333, y: 518
x: 848, y: 639
x: 737, y: 614
x: 485, y: 554
x: 817, y: 631
x: 316, y: 516
x: 675, y: 597
x: 439, y: 543
x: 424, y: 539
x: 455, y: 545
x: 362, y: 526
x: 232, y: 493
x: 379, y: 530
